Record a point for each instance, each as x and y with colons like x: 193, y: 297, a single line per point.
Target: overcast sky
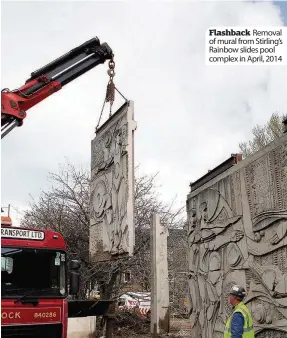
x: 190, y: 117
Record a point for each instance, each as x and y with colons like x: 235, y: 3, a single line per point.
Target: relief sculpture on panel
x: 237, y: 234
x: 112, y: 187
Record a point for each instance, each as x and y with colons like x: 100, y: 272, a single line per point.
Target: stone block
x: 160, y: 320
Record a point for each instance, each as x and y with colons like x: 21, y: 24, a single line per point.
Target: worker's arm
x: 237, y: 324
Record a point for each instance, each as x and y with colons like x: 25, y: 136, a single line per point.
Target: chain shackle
x: 112, y: 64
x: 111, y: 70
x: 111, y: 73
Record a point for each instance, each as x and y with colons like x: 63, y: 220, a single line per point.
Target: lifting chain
x: 110, y: 93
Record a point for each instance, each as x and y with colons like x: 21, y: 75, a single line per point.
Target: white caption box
x: 246, y: 46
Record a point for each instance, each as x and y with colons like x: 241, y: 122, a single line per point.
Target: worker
x: 240, y: 323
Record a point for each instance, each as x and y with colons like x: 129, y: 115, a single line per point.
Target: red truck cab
x: 34, y: 285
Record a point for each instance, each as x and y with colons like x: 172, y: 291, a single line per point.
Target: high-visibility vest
x: 248, y: 331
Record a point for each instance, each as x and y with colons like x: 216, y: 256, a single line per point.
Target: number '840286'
x: 45, y: 315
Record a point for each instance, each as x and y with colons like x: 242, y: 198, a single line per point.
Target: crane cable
x: 110, y: 91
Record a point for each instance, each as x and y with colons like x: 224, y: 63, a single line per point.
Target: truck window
x: 7, y: 264
x: 23, y: 270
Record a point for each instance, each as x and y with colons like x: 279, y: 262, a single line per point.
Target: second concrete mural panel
x: 237, y: 227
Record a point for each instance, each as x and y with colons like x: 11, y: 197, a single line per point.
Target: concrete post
x: 159, y: 278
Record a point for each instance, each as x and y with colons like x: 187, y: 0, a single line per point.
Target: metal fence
x: 133, y: 322
x: 179, y: 319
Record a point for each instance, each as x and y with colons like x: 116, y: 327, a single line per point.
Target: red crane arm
x: 49, y: 79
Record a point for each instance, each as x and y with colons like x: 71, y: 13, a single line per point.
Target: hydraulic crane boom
x: 49, y: 79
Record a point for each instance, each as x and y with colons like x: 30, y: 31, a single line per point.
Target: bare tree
x: 64, y: 207
x: 263, y: 135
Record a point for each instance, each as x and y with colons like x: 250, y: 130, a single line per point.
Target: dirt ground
x: 178, y: 324
x: 179, y: 327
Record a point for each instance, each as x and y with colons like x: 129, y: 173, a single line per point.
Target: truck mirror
x: 74, y: 265
x: 74, y: 283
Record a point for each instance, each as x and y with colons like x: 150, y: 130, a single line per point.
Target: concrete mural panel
x: 112, y: 187
x: 237, y: 234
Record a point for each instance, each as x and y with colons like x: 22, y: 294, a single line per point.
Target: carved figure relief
x: 208, y: 248
x: 112, y: 187
x: 237, y: 234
